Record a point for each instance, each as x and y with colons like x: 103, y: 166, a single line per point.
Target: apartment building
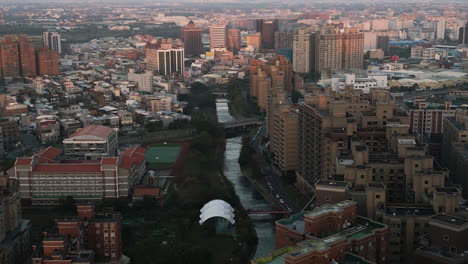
x: 455, y: 148
x: 445, y: 242
x: 283, y: 141
x: 275, y: 74
x: 46, y: 176
x: 158, y: 103
x: 10, y: 133
x: 427, y: 118
x: 91, y: 143
x: 329, y: 122
x: 15, y: 232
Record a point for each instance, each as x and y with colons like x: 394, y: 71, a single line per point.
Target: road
x: 272, y: 179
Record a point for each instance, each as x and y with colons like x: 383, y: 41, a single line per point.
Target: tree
x: 295, y: 96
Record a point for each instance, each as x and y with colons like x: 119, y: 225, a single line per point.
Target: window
x: 327, y: 198
x: 446, y: 237
x: 377, y: 196
x: 426, y: 182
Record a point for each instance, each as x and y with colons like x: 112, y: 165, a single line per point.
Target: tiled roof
x: 138, y: 153
x: 23, y: 161
x: 109, y: 161
x: 68, y: 167
x: 142, y: 191
x: 93, y: 130
x: 127, y: 162
x: 48, y: 154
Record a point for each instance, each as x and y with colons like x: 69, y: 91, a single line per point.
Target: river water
x: 248, y: 195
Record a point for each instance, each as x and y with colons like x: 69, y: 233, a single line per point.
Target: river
x: 248, y: 195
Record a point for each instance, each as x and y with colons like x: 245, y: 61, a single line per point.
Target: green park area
x: 162, y: 155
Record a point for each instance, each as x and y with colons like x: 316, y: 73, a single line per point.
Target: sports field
x: 162, y: 155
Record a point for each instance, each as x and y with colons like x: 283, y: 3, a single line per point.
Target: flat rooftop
x: 328, y: 183
x: 408, y: 210
x: 325, y: 209
x: 449, y: 219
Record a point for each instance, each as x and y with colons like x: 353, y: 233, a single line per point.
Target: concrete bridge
x: 240, y: 126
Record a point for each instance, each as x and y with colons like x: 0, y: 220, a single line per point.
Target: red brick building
x: 47, y: 62
x: 27, y: 58
x: 328, y: 233
x: 9, y: 58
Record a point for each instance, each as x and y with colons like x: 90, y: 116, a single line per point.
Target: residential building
x: 144, y: 80
x: 254, y: 40
x: 383, y: 43
x: 158, y: 103
x: 335, y: 49
x: 284, y: 40
x: 444, y: 241
x: 274, y: 74
x: 45, y: 178
x: 10, y: 133
x: 284, y: 137
x: 218, y: 36
x: 9, y: 58
x: 420, y: 52
x: 15, y: 232
x: 91, y: 143
x: 427, y: 118
x: 48, y: 130
x: 47, y: 61
x: 302, y: 50
x: 455, y: 148
x: 234, y: 40
x: 52, y: 40
x: 327, y: 123
x: 27, y: 57
x: 192, y: 37
x: 69, y: 126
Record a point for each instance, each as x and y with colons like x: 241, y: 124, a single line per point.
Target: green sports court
x: 162, y: 155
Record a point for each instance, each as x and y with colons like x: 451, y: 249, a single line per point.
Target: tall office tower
x: 27, y: 57
x: 382, y: 43
x: 302, y: 50
x: 165, y: 56
x: 151, y: 55
x: 267, y: 30
x: 234, y: 39
x: 9, y: 58
x: 336, y: 49
x: 254, y: 40
x: 284, y: 40
x: 218, y: 36
x: 463, y: 34
x: 192, y: 37
x: 440, y: 29
x: 52, y: 40
x: 47, y: 62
